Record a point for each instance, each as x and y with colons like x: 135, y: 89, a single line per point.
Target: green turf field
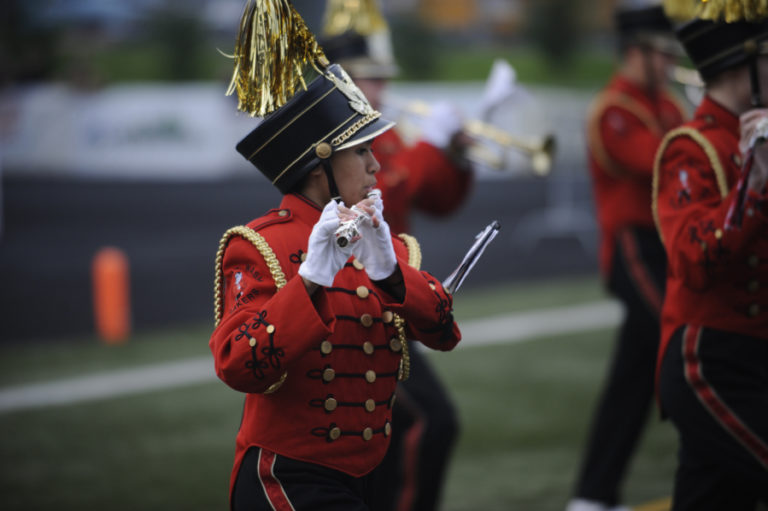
x: 524, y: 410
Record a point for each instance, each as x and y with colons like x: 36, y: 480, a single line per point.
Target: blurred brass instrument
x: 487, y: 137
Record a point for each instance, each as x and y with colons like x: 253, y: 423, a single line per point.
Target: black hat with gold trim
x: 721, y: 34
x: 303, y: 125
x: 644, y: 23
x: 356, y: 35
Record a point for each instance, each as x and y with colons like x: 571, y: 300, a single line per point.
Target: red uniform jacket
x: 319, y: 371
x: 624, y: 130
x: 418, y: 177
x: 716, y: 278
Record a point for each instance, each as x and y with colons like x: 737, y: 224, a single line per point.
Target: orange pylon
x: 111, y: 295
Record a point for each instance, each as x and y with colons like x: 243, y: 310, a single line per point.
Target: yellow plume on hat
x: 272, y: 50
x: 360, y: 16
x: 717, y: 10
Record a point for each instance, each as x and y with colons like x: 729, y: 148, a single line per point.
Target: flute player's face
x: 354, y: 170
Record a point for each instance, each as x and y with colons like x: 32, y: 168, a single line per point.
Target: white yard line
x: 494, y: 330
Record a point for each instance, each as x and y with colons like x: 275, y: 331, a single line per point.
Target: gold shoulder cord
x: 709, y: 150
x: 596, y: 110
x: 274, y: 269
x: 414, y: 261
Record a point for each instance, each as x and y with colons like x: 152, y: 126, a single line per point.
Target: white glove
x: 374, y: 249
x: 442, y: 123
x: 324, y: 256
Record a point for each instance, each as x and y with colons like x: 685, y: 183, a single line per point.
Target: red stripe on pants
x: 713, y: 403
x: 272, y: 487
x: 640, y: 274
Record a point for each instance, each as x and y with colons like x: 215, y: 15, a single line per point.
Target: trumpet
x: 487, y: 138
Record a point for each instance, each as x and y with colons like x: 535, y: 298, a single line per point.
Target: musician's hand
x: 375, y: 249
x: 443, y: 122
x: 754, y: 132
x: 324, y: 256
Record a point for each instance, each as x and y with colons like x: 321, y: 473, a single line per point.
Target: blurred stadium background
x: 115, y: 131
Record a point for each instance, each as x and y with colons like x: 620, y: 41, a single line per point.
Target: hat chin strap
x: 335, y: 195
x: 754, y: 80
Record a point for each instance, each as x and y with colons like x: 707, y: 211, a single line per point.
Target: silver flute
x: 349, y: 230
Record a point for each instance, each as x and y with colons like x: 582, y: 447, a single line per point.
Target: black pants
x: 714, y: 387
x: 267, y: 481
x: 424, y: 430
x: 637, y: 279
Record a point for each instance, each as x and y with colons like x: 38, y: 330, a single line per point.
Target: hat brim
x: 366, y: 133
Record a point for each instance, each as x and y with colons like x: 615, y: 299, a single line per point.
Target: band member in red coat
x: 713, y: 358
x: 429, y: 176
x: 312, y: 330
x: 626, y: 124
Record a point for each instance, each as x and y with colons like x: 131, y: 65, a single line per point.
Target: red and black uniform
x: 626, y: 125
x: 319, y: 372
x: 422, y: 178
x: 713, y: 358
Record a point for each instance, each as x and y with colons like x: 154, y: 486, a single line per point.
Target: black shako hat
x: 364, y: 56
x: 646, y: 26
x: 716, y: 46
x: 330, y: 115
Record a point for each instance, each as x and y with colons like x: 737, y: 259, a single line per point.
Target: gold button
x: 328, y: 374
x: 367, y: 434
x: 370, y: 405
x: 252, y: 342
x: 303, y: 256
x: 270, y: 329
x: 704, y: 246
x: 282, y: 212
x: 326, y: 347
x: 753, y: 286
x: 753, y: 261
x: 736, y: 159
x: 718, y: 233
x: 362, y: 292
x: 370, y: 376
x: 395, y: 344
x: 387, y: 317
x: 368, y: 347
x: 392, y: 400
x: 754, y: 310
x: 387, y: 429
x: 334, y: 433
x: 331, y: 404
x: 366, y: 320
x: 357, y: 264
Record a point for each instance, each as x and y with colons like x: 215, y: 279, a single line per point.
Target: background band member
x: 314, y: 333
x: 713, y: 356
x: 431, y: 177
x: 626, y: 124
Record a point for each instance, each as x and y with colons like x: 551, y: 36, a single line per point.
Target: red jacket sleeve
x: 691, y: 213
x: 259, y: 335
x: 629, y: 142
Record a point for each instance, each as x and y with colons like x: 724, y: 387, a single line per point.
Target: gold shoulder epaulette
x: 263, y: 247
x: 414, y: 250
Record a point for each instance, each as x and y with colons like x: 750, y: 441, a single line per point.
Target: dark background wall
x: 170, y: 233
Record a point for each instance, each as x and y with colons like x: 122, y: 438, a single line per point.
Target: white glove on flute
x: 324, y: 257
x: 374, y: 249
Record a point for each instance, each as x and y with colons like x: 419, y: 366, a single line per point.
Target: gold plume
x: 272, y: 50
x: 360, y: 16
x: 717, y: 10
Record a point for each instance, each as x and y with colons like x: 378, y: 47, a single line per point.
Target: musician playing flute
x: 431, y: 177
x: 713, y: 358
x: 312, y: 332
x: 625, y: 126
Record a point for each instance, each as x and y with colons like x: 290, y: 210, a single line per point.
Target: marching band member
x: 626, y: 124
x: 430, y: 177
x: 713, y: 358
x: 312, y: 332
